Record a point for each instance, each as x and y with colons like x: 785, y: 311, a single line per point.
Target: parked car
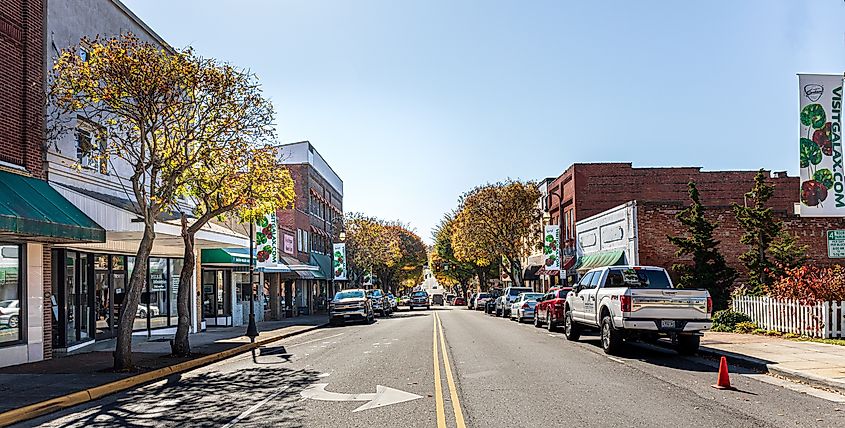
x: 637, y: 302
x: 549, y: 308
x: 404, y: 300
x: 349, y: 305
x: 437, y: 299
x: 380, y: 304
x: 143, y: 310
x: 459, y: 301
x: 523, y: 307
x: 490, y: 306
x: 450, y: 298
x: 10, y: 313
x: 503, y: 309
x: 394, y: 302
x: 471, y: 301
x: 419, y: 299
x: 481, y: 301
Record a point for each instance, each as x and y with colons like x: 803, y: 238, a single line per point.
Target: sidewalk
x: 31, y: 383
x: 818, y: 364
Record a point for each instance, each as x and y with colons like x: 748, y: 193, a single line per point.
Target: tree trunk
x: 137, y: 283
x: 181, y: 346
x: 516, y: 273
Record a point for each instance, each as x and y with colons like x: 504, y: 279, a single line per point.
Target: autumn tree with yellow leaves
x: 493, y: 224
x: 169, y: 115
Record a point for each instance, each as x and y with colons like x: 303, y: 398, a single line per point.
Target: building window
x: 91, y: 151
x: 11, y: 318
x: 301, y: 241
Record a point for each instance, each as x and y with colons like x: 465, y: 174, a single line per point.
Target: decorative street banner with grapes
x: 822, y: 173
x: 551, y: 247
x: 266, y: 241
x: 339, y: 261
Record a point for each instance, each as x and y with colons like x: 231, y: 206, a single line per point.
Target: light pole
x: 251, y: 329
x: 559, y: 225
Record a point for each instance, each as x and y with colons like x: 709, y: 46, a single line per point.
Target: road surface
x: 500, y: 374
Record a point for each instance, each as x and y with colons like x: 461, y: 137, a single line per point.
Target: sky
x: 413, y: 103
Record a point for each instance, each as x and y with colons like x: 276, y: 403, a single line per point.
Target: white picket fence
x: 823, y: 319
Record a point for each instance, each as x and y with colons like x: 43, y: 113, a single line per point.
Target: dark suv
x: 419, y: 299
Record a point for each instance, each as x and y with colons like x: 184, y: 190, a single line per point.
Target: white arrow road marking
x: 384, y: 396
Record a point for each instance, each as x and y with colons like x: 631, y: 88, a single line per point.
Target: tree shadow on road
x: 207, y: 399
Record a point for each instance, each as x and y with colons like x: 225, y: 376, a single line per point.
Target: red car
x: 459, y: 301
x: 549, y: 308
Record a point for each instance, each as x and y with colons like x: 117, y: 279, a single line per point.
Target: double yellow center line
x: 438, y: 392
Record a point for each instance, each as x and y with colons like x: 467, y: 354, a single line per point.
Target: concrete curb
x: 765, y: 366
x: 76, y: 398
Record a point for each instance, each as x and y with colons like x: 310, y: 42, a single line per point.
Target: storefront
x: 89, y: 290
x: 226, y: 290
x: 32, y: 217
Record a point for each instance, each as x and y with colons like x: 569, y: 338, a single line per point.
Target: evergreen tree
x: 708, y: 269
x: 786, y: 254
x: 761, y: 230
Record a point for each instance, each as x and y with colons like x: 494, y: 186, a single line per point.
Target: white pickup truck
x: 636, y: 302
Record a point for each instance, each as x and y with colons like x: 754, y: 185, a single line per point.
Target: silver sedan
x: 523, y: 307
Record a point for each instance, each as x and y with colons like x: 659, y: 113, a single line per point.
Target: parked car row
x: 622, y: 303
x: 361, y: 305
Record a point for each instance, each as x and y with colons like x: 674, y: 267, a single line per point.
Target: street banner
x: 551, y: 247
x: 339, y: 261
x: 266, y: 241
x: 820, y: 140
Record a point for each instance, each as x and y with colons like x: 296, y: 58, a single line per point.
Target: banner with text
x: 266, y: 241
x: 339, y: 261
x: 822, y: 173
x: 551, y: 247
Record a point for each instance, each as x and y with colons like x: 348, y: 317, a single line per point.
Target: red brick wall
x: 599, y: 187
x: 21, y: 91
x: 656, y: 221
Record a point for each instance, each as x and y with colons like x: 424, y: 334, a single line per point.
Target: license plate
x: 667, y: 323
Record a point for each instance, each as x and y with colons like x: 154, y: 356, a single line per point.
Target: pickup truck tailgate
x: 668, y: 304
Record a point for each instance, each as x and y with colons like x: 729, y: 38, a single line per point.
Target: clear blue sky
x: 414, y: 102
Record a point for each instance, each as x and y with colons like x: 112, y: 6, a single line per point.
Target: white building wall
x: 614, y: 229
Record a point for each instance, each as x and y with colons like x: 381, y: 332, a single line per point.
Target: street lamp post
x: 251, y: 329
x: 559, y: 225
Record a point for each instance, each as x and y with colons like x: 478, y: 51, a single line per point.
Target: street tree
x: 447, y: 269
x: 405, y: 264
x: 367, y: 246
x: 245, y: 179
x: 162, y: 112
x: 761, y: 229
x: 708, y: 269
x: 787, y: 254
x: 494, y: 222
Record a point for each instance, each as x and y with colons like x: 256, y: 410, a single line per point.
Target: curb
x: 41, y: 408
x: 766, y: 367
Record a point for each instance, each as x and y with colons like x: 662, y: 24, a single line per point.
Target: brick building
x: 586, y: 189
x: 33, y: 216
x: 307, y: 230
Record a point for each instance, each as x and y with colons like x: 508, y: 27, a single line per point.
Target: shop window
x: 11, y: 318
x: 156, y: 308
x: 175, y: 273
x: 91, y: 150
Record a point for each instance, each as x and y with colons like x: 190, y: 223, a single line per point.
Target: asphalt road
x: 500, y: 374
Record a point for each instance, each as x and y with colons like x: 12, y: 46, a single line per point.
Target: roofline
x: 143, y: 25
x: 311, y: 146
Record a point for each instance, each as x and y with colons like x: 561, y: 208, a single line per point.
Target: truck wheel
x: 611, y: 339
x: 571, y: 330
x: 537, y: 321
x: 688, y: 344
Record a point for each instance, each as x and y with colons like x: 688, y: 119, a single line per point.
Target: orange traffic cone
x: 724, y: 381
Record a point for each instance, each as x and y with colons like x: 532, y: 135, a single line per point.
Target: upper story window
x: 91, y: 150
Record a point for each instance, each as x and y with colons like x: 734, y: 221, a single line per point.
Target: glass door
x: 103, y: 298
x: 71, y: 298
x: 84, y: 290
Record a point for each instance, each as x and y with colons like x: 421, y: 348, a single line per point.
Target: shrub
x: 745, y: 327
x: 727, y: 319
x: 810, y: 284
x: 773, y: 333
x: 791, y: 336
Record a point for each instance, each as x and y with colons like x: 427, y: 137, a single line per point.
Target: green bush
x: 745, y: 327
x: 727, y: 319
x: 773, y: 333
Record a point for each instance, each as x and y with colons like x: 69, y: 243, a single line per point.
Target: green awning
x: 325, y: 264
x: 597, y: 260
x: 225, y: 256
x: 30, y: 207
